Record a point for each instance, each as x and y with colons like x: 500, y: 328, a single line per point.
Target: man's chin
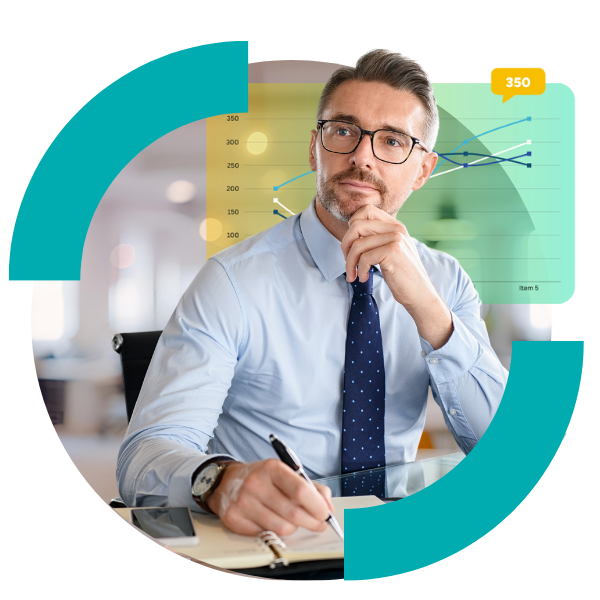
x: 343, y: 203
x: 335, y: 210
x: 348, y: 207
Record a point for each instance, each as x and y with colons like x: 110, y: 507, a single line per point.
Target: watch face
x: 205, y: 479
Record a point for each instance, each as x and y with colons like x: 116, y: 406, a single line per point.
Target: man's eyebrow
x: 353, y: 119
x: 344, y: 117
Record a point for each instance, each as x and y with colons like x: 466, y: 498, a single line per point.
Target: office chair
x: 136, y: 350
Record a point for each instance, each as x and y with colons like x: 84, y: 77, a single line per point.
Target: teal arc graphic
x: 482, y: 490
x: 209, y: 80
x: 104, y: 136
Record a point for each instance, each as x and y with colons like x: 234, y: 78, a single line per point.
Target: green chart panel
x: 507, y: 216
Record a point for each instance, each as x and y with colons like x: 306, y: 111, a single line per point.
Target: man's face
x: 346, y: 182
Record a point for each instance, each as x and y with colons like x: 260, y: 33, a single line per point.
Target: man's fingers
x: 268, y: 495
x: 304, y: 493
x: 366, y: 244
x: 290, y: 511
x: 251, y: 515
x: 370, y: 212
x: 361, y: 228
x: 326, y: 493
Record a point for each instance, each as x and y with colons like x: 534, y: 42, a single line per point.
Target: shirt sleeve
x: 467, y: 379
x: 183, y: 394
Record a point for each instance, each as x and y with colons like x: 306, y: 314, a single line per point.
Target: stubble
x: 333, y: 204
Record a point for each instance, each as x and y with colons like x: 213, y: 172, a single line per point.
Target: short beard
x: 330, y: 200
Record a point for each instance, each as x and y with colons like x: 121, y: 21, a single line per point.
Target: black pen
x: 291, y: 460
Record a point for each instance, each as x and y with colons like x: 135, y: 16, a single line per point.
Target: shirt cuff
x: 180, y: 486
x: 455, y: 357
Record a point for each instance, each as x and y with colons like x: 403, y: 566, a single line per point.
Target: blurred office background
x: 143, y: 248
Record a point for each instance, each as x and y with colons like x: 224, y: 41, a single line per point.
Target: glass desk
x: 393, y: 481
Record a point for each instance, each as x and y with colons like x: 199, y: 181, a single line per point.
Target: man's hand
x: 376, y: 238
x: 268, y: 495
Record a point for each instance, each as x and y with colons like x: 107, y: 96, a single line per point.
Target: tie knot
x: 366, y: 287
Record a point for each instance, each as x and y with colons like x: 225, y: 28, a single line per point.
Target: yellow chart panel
x: 257, y: 170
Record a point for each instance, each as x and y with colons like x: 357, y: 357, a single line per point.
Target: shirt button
x: 433, y: 361
x: 452, y: 412
x: 423, y: 353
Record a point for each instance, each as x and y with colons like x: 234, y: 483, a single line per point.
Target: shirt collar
x: 324, y: 247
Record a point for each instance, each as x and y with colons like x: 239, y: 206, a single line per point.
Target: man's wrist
x: 433, y: 320
x: 202, y: 490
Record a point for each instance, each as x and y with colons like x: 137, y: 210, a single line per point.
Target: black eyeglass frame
x: 321, y: 122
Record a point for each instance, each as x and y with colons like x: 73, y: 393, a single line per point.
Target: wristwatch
x: 206, y: 479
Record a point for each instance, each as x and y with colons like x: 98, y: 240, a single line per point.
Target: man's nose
x: 363, y: 156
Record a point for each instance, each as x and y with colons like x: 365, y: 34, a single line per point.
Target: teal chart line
x: 276, y: 187
x: 276, y: 212
x: 478, y: 136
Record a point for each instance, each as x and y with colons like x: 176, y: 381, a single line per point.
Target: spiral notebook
x: 220, y: 547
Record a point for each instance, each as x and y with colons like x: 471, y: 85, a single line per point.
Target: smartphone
x: 171, y: 526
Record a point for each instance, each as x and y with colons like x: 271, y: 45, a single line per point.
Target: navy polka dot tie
x: 364, y: 384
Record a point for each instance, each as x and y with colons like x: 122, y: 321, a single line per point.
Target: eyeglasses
x: 388, y: 146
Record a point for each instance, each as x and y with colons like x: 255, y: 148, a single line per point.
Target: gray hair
x: 397, y: 71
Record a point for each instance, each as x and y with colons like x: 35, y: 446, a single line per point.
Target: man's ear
x: 312, y: 150
x: 425, y: 170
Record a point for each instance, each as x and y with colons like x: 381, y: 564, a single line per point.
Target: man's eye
x: 343, y: 131
x: 395, y: 142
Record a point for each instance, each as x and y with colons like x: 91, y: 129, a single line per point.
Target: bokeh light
x: 211, y: 229
x: 181, y: 191
x: 257, y: 143
x: 122, y: 256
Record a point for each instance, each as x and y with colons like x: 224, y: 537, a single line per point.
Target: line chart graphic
x: 510, y: 225
x: 495, y: 162
x: 527, y: 143
x: 276, y: 187
x: 276, y: 201
x: 479, y: 136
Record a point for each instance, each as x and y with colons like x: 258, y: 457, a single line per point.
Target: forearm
x: 156, y: 469
x: 432, y: 318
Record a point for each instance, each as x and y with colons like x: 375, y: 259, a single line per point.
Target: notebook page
x: 308, y: 545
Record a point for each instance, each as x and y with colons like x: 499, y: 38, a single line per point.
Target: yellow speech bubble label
x: 518, y: 82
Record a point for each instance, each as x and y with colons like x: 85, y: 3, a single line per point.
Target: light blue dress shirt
x: 257, y: 345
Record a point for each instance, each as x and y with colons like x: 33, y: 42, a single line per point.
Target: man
x: 326, y: 330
